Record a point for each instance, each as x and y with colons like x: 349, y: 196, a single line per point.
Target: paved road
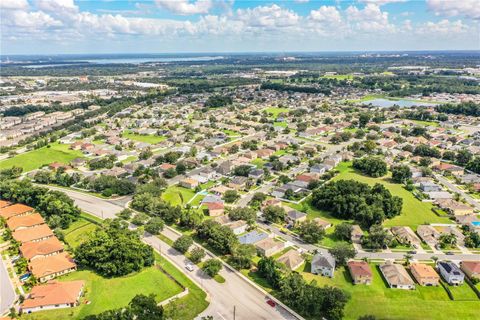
x: 454, y: 188
x: 7, y: 292
x: 249, y: 302
x: 235, y: 293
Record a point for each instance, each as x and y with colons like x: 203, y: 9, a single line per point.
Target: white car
x: 189, y: 267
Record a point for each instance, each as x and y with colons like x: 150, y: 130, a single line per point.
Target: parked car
x: 189, y: 267
x: 271, y: 303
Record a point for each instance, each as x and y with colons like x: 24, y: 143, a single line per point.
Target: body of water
x: 385, y: 103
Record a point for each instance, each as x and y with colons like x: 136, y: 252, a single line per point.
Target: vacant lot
x: 414, y: 211
x: 177, y: 195
x: 152, y: 139
x: 274, y: 111
x: 35, y: 159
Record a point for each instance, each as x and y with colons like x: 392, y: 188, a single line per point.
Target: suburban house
x: 295, y: 216
x: 292, y: 259
x: 323, y: 264
x: 47, y: 268
x: 215, y: 209
x: 53, y: 295
x: 189, y: 183
x: 322, y: 223
x: 252, y: 237
x: 454, y: 207
x: 25, y: 222
x: 471, y: 269
x: 405, y: 235
x: 357, y: 234
x: 238, y: 227
x: 268, y: 247
x: 396, y: 276
x: 429, y: 187
x: 424, y: 274
x: 428, y: 234
x: 360, y: 272
x: 15, y: 210
x: 41, y: 249
x: 4, y: 204
x: 33, y: 234
x: 450, y: 272
x: 238, y: 182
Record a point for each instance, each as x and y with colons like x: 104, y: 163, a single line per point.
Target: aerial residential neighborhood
x: 258, y: 178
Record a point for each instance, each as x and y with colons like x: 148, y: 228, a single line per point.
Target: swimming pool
x: 476, y: 223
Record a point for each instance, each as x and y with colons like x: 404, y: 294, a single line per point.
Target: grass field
x: 37, y: 158
x: 78, y: 232
x: 177, y: 195
x: 110, y: 293
x: 282, y: 124
x: 274, y: 111
x: 414, y: 212
x: 385, y: 303
x: 152, y: 139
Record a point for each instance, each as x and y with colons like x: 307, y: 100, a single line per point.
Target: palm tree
x: 407, y: 257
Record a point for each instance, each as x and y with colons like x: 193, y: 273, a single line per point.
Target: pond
x: 385, y: 103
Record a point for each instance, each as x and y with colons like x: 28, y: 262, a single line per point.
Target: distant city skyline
x: 227, y: 26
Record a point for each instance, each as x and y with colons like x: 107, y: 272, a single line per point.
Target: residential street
x: 454, y: 188
x: 249, y: 302
x: 7, y: 292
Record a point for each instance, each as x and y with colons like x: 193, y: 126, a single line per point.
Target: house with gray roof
x: 450, y: 272
x: 323, y: 264
x: 252, y: 237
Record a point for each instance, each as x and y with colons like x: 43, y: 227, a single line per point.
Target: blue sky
x: 158, y: 26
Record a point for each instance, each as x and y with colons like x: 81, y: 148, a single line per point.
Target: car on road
x: 189, y: 267
x: 271, y: 303
x: 449, y: 253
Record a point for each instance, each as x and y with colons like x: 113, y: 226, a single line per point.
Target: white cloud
x: 369, y: 19
x: 267, y: 17
x: 57, y: 7
x: 185, y: 7
x: 13, y: 4
x: 326, y: 14
x: 381, y: 2
x: 443, y: 28
x: 31, y: 20
x: 450, y: 8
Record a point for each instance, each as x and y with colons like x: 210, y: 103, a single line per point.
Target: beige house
x: 268, y: 247
x: 424, y: 274
x: 292, y: 259
x: 189, y: 183
x: 396, y: 276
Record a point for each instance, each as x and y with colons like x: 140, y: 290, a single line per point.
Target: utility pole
x: 234, y: 309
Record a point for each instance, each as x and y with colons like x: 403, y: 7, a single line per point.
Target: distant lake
x: 385, y: 103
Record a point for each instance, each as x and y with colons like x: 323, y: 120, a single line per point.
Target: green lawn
x: 339, y: 76
x: 78, y: 232
x: 282, y: 124
x: 177, y: 195
x: 105, y: 294
x: 426, y: 123
x: 385, y: 303
x: 37, y: 158
x: 414, y: 211
x: 152, y: 139
x: 258, y: 162
x: 274, y: 111
x: 231, y: 133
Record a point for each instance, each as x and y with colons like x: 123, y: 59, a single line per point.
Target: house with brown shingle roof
x: 424, y: 274
x: 14, y: 210
x: 48, y: 268
x: 34, y: 234
x: 471, y: 269
x: 292, y: 259
x: 41, y: 249
x: 268, y: 247
x: 25, y: 222
x: 396, y: 276
x: 53, y: 295
x: 360, y: 272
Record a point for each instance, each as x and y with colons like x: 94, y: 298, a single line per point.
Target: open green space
x: 54, y: 152
x: 414, y: 211
x: 426, y: 123
x: 152, y: 139
x: 177, y: 195
x: 339, y: 76
x: 275, y: 111
x: 282, y: 124
x: 231, y: 133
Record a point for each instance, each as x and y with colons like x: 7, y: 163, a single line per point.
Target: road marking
x: 221, y: 315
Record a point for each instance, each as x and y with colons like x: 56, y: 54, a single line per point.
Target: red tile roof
x: 54, y: 293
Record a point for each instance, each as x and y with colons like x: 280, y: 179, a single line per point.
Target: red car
x: 271, y: 303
